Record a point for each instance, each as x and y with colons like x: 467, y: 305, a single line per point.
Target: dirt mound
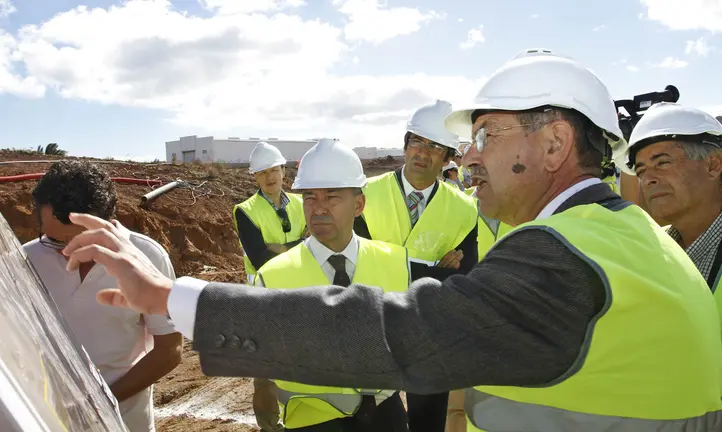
x: 194, y: 224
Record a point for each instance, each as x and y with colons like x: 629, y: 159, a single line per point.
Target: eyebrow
x: 653, y: 158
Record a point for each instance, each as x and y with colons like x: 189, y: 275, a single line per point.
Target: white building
x: 230, y: 150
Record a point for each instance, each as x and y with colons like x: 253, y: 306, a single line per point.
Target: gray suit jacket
x: 518, y: 318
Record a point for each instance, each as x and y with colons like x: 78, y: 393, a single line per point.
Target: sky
x: 118, y: 79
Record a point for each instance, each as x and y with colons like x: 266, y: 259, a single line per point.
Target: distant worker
x: 330, y: 179
x: 450, y: 173
x: 131, y: 350
x: 268, y: 223
x: 464, y: 174
x: 435, y: 221
x: 676, y: 153
x: 271, y: 221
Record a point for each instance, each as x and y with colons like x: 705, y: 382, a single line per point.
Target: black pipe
x: 148, y: 198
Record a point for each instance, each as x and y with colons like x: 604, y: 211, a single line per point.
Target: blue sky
x: 119, y: 78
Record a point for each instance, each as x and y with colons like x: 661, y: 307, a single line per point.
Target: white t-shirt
x: 114, y: 338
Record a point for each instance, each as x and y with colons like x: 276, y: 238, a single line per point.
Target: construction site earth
x: 194, y: 224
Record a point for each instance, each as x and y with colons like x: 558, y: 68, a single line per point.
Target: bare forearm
x: 154, y: 366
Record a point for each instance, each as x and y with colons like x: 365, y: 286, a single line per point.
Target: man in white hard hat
x: 586, y: 317
x: 330, y: 179
x: 676, y: 153
x: 268, y: 223
x: 431, y: 218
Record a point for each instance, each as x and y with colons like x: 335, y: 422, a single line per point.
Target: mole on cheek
x: 518, y: 167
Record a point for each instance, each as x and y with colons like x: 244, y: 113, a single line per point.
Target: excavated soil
x: 194, y: 225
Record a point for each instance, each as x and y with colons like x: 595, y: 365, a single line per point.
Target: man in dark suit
x: 586, y: 317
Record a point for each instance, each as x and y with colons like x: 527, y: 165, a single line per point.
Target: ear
x: 714, y: 166
x: 557, y: 142
x: 360, y: 204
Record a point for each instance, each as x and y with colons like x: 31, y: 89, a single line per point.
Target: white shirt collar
x: 322, y: 253
x: 408, y: 188
x: 562, y: 197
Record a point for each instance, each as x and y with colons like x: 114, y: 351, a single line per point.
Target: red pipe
x: 36, y: 176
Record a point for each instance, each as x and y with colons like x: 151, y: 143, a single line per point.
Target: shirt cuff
x: 182, y: 304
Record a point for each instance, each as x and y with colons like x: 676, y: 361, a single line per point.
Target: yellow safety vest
x: 443, y: 225
x: 264, y: 216
x: 651, y: 359
x: 487, y: 235
x: 378, y: 264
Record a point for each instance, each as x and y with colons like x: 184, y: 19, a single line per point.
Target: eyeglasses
x: 432, y: 147
x: 482, y: 135
x: 51, y: 243
x: 285, y: 221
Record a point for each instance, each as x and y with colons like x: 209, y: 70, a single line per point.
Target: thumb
x: 112, y: 297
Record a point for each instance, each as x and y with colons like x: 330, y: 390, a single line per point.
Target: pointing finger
x: 90, y: 222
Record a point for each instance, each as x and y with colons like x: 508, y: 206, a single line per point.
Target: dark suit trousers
x: 427, y: 413
x: 390, y: 416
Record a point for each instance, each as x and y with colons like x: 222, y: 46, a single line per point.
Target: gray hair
x: 589, y: 157
x: 698, y: 150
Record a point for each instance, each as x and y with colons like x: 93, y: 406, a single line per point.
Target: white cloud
x: 473, y: 38
x: 534, y: 16
x: 686, y: 15
x: 233, y: 7
x: 10, y: 81
x: 632, y: 68
x: 599, y: 28
x: 6, y: 8
x: 268, y: 74
x: 699, y: 47
x: 460, y: 20
x: 368, y: 21
x: 672, y: 63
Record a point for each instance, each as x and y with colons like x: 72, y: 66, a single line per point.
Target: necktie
x: 412, y: 202
x: 338, y: 262
x: 366, y: 411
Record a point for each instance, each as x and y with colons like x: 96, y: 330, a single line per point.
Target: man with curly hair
x: 130, y: 350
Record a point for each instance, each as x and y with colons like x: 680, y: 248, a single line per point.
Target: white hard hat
x: 265, y: 156
x: 428, y: 122
x: 450, y: 165
x: 329, y: 165
x: 669, y: 121
x: 537, y: 78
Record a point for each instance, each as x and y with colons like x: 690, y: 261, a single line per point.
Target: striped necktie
x: 412, y: 202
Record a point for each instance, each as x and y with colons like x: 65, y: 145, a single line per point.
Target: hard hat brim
x: 357, y: 183
x: 265, y: 167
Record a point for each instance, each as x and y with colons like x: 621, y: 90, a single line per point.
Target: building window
x: 205, y: 151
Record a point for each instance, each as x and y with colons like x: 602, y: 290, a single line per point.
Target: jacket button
x: 219, y: 341
x: 249, y: 346
x: 234, y: 341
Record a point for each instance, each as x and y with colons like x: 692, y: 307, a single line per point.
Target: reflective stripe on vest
x: 499, y: 414
x: 443, y: 225
x: 264, y: 217
x: 651, y: 357
x: 378, y: 264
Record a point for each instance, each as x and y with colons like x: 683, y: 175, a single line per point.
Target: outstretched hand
x: 141, y: 286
